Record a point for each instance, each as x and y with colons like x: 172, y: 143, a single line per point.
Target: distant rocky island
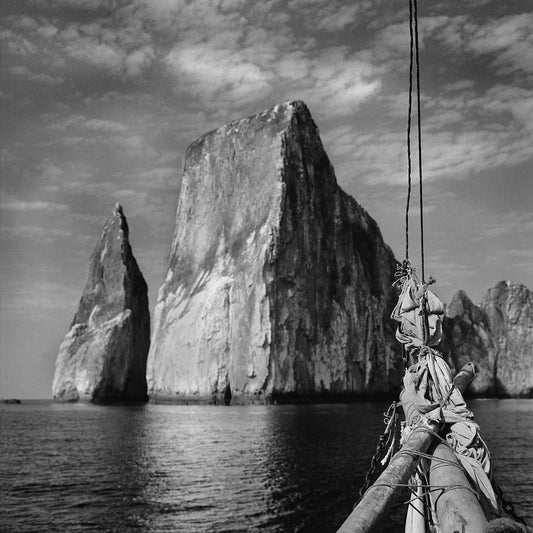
x: 278, y: 288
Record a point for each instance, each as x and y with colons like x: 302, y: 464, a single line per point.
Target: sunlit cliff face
x: 279, y: 283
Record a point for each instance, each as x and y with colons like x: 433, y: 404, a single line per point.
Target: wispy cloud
x: 105, y: 126
x: 163, y: 178
x: 16, y: 43
x: 512, y: 223
x: 37, y: 233
x: 31, y: 298
x: 40, y: 78
x: 35, y: 205
x: 213, y: 74
x: 509, y: 39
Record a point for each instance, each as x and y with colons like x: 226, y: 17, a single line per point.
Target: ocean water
x: 78, y: 467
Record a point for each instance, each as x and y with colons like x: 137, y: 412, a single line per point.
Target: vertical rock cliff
x: 278, y: 282
x: 509, y: 309
x: 497, y: 336
x: 103, y: 356
x: 467, y: 337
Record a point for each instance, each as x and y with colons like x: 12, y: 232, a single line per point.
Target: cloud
x: 516, y: 101
x: 332, y: 15
x: 185, y: 21
x: 78, y: 131
x: 26, y: 74
x: 462, y: 135
x: 47, y: 30
x: 138, y: 60
x: 49, y: 172
x: 511, y: 223
x: 210, y: 73
x: 17, y: 44
x: 460, y: 85
x: 372, y: 157
x: 334, y: 18
x: 162, y: 178
x: 10, y: 156
x: 33, y: 297
x: 89, y: 50
x: 117, y: 44
x: 336, y: 82
x: 37, y: 233
x: 104, y: 126
x: 88, y: 5
x: 457, y: 155
x: 510, y: 39
x: 327, y: 16
x: 36, y: 205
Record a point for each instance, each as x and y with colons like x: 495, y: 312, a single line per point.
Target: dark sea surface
x: 79, y: 467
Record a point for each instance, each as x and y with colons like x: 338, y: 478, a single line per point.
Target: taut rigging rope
x: 409, y: 112
x: 414, y: 54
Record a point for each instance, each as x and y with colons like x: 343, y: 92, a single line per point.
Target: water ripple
x: 196, y: 469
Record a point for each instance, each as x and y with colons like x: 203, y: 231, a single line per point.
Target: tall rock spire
x: 103, y: 356
x: 278, y: 282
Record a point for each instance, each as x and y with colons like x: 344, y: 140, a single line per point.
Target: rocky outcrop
x: 467, y: 337
x: 509, y: 309
x: 497, y: 336
x: 103, y: 356
x: 279, y: 283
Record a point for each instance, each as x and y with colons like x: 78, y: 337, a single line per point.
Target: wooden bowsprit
x: 376, y: 504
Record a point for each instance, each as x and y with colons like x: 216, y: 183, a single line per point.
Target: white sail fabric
x: 428, y: 386
x: 409, y: 311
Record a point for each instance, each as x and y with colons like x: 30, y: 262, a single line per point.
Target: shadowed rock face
x: 497, y: 336
x: 279, y: 283
x: 103, y: 356
x: 467, y: 337
x: 509, y: 308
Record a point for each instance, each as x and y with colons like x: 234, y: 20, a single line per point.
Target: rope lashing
x: 414, y: 58
x: 432, y: 488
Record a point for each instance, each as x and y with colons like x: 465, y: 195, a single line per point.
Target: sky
x: 100, y: 98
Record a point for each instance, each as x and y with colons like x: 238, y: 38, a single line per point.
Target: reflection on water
x: 211, y: 469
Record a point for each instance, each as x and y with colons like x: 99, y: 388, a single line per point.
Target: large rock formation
x: 497, y: 336
x: 278, y: 282
x: 509, y: 309
x: 467, y: 337
x: 103, y: 356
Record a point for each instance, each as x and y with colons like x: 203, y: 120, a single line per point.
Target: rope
x: 413, y: 46
x: 432, y: 488
x: 425, y: 429
x: 409, y: 113
x: 414, y: 453
x: 419, y: 140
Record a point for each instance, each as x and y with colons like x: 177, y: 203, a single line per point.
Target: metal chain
x: 376, y: 458
x: 508, y: 507
x: 374, y: 464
